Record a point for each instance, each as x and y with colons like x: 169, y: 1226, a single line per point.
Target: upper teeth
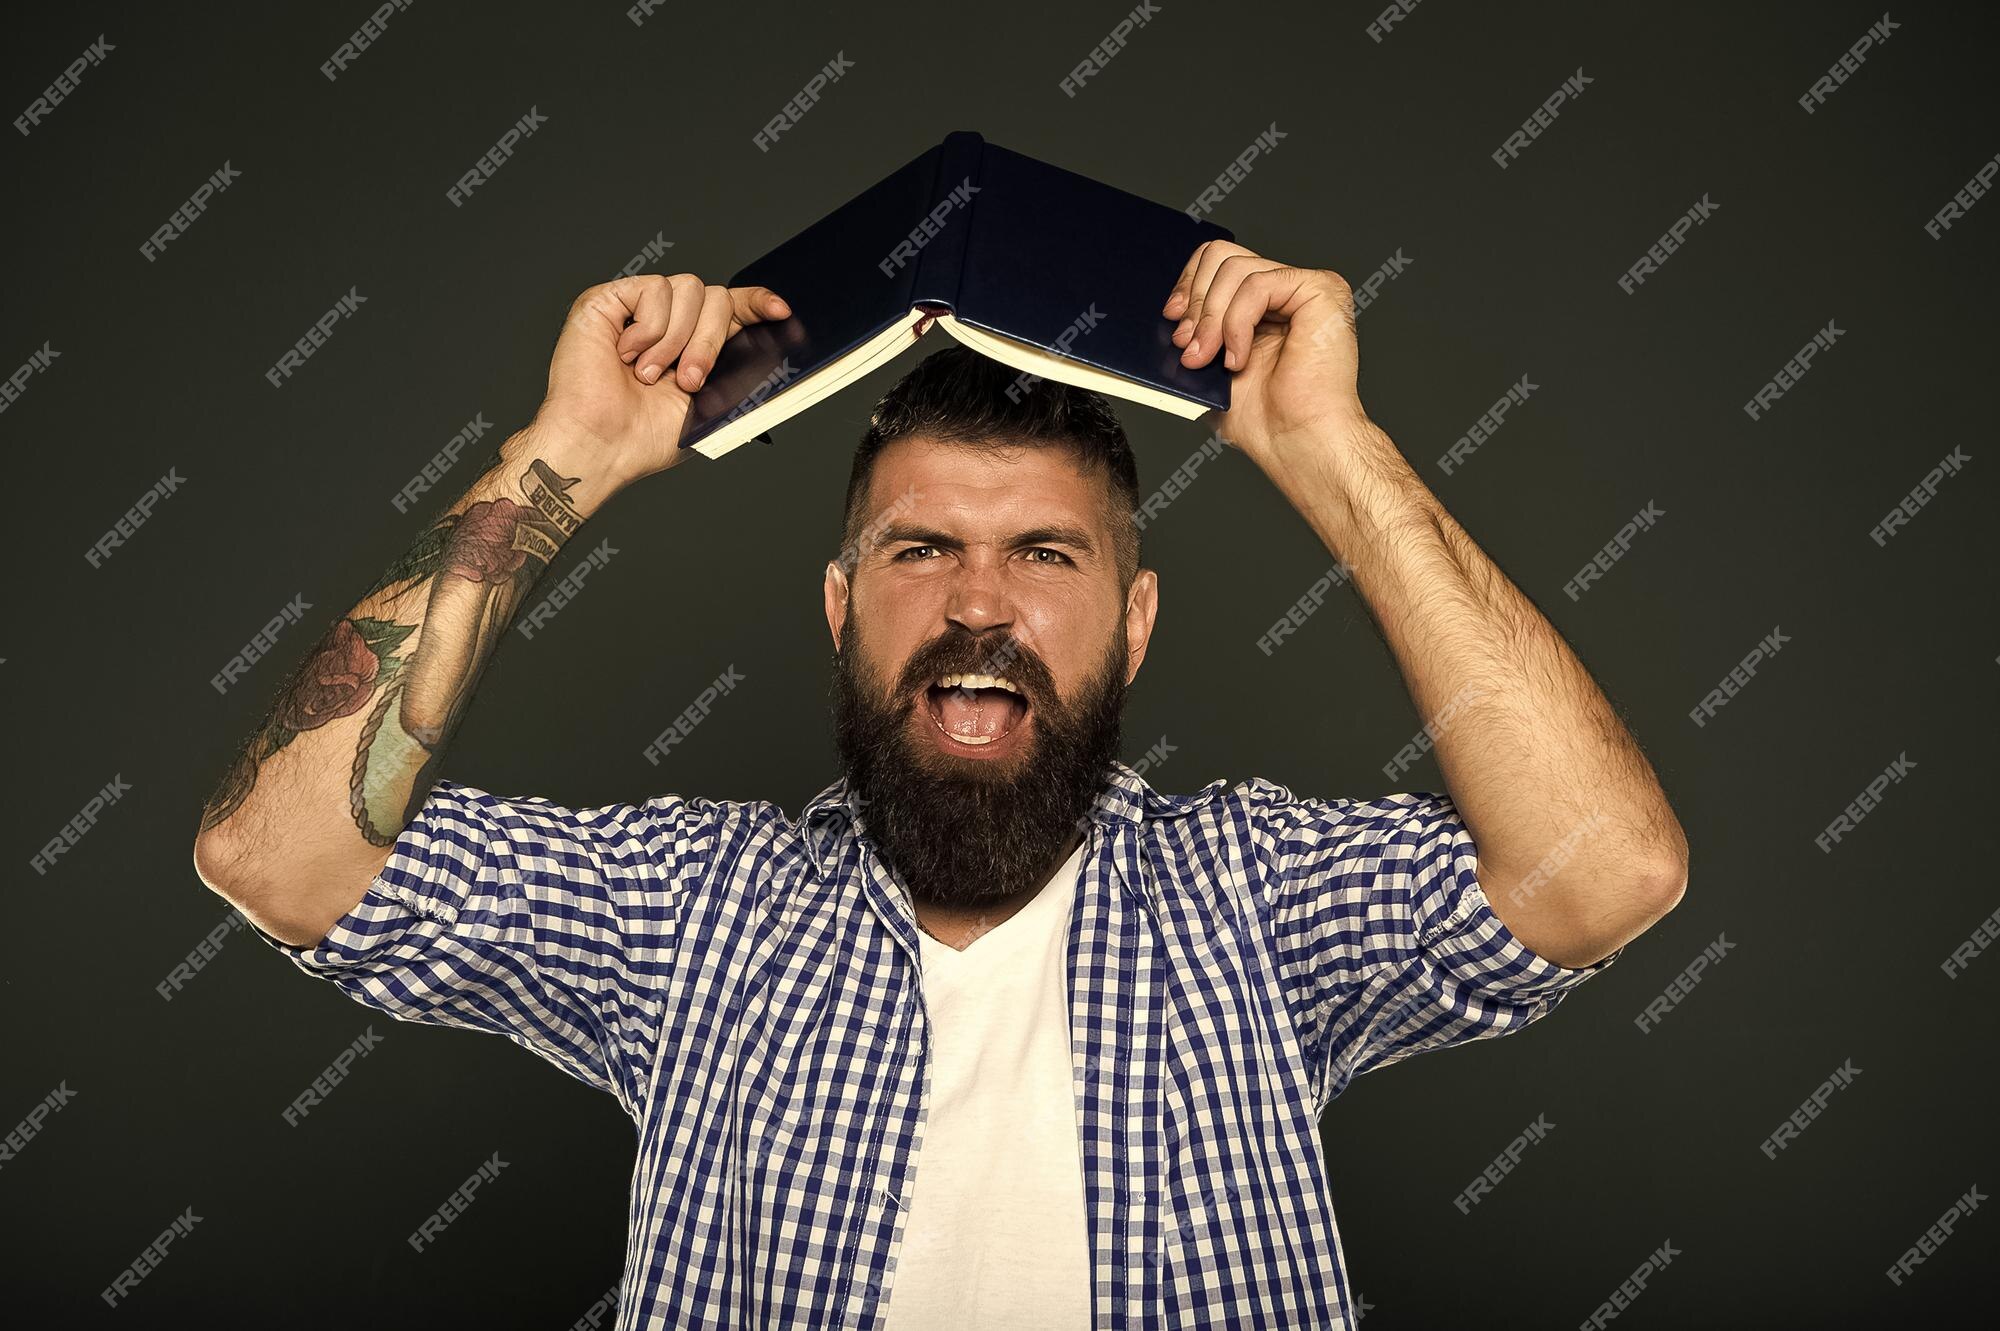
x: 978, y: 682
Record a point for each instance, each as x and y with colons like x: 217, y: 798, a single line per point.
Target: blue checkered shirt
x: 747, y: 984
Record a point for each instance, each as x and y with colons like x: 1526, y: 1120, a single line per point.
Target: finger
x: 1230, y: 274
x: 687, y: 302
x: 1205, y: 337
x: 753, y: 305
x: 1274, y: 294
x: 1178, y: 297
x: 609, y: 305
x: 648, y: 299
x: 1213, y: 256
x: 718, y: 314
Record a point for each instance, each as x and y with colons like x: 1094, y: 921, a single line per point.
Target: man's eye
x: 905, y: 554
x: 1056, y: 556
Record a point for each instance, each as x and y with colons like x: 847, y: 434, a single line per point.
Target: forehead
x: 926, y: 480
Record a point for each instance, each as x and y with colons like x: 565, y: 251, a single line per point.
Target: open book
x: 1053, y: 273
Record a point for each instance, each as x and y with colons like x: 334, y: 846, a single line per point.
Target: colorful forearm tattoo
x: 479, y: 564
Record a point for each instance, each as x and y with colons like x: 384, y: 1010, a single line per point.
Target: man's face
x: 999, y: 567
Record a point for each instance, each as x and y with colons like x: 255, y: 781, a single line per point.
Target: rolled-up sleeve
x: 551, y: 926
x: 1383, y: 937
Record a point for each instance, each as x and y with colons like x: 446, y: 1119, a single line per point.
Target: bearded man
x: 992, y: 1034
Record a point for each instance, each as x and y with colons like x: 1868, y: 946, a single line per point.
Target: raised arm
x: 1578, y: 849
x: 308, y: 812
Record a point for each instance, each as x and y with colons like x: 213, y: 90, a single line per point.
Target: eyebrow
x: 1048, y: 534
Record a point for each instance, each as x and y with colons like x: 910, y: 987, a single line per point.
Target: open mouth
x: 976, y: 710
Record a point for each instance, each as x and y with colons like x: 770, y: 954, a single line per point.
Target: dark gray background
x: 1511, y: 273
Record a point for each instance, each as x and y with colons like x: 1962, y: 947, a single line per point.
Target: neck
x: 957, y: 926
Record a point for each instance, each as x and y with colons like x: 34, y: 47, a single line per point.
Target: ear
x: 837, y: 592
x: 1142, y: 605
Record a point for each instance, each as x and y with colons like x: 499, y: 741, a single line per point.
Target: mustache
x: 959, y: 651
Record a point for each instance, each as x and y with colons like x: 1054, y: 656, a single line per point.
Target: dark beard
x: 974, y: 833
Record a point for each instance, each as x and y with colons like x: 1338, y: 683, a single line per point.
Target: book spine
x: 946, y: 230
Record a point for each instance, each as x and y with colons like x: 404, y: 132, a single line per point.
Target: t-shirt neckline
x: 1070, y: 870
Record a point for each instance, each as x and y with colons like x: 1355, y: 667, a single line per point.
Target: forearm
x: 352, y: 744
x: 1579, y: 850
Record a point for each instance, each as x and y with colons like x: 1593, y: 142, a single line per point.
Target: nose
x: 979, y: 598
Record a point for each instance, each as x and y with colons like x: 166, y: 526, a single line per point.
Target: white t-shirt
x: 996, y: 1237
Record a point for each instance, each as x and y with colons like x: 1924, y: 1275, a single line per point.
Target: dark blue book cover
x: 996, y: 239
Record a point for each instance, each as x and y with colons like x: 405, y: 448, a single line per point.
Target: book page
x: 1037, y: 361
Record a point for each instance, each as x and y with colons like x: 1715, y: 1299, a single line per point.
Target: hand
x: 1288, y: 333
x: 614, y: 377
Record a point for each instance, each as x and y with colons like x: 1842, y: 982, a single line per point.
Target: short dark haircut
x: 957, y: 396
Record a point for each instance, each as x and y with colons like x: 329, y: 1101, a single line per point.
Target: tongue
x: 979, y: 712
